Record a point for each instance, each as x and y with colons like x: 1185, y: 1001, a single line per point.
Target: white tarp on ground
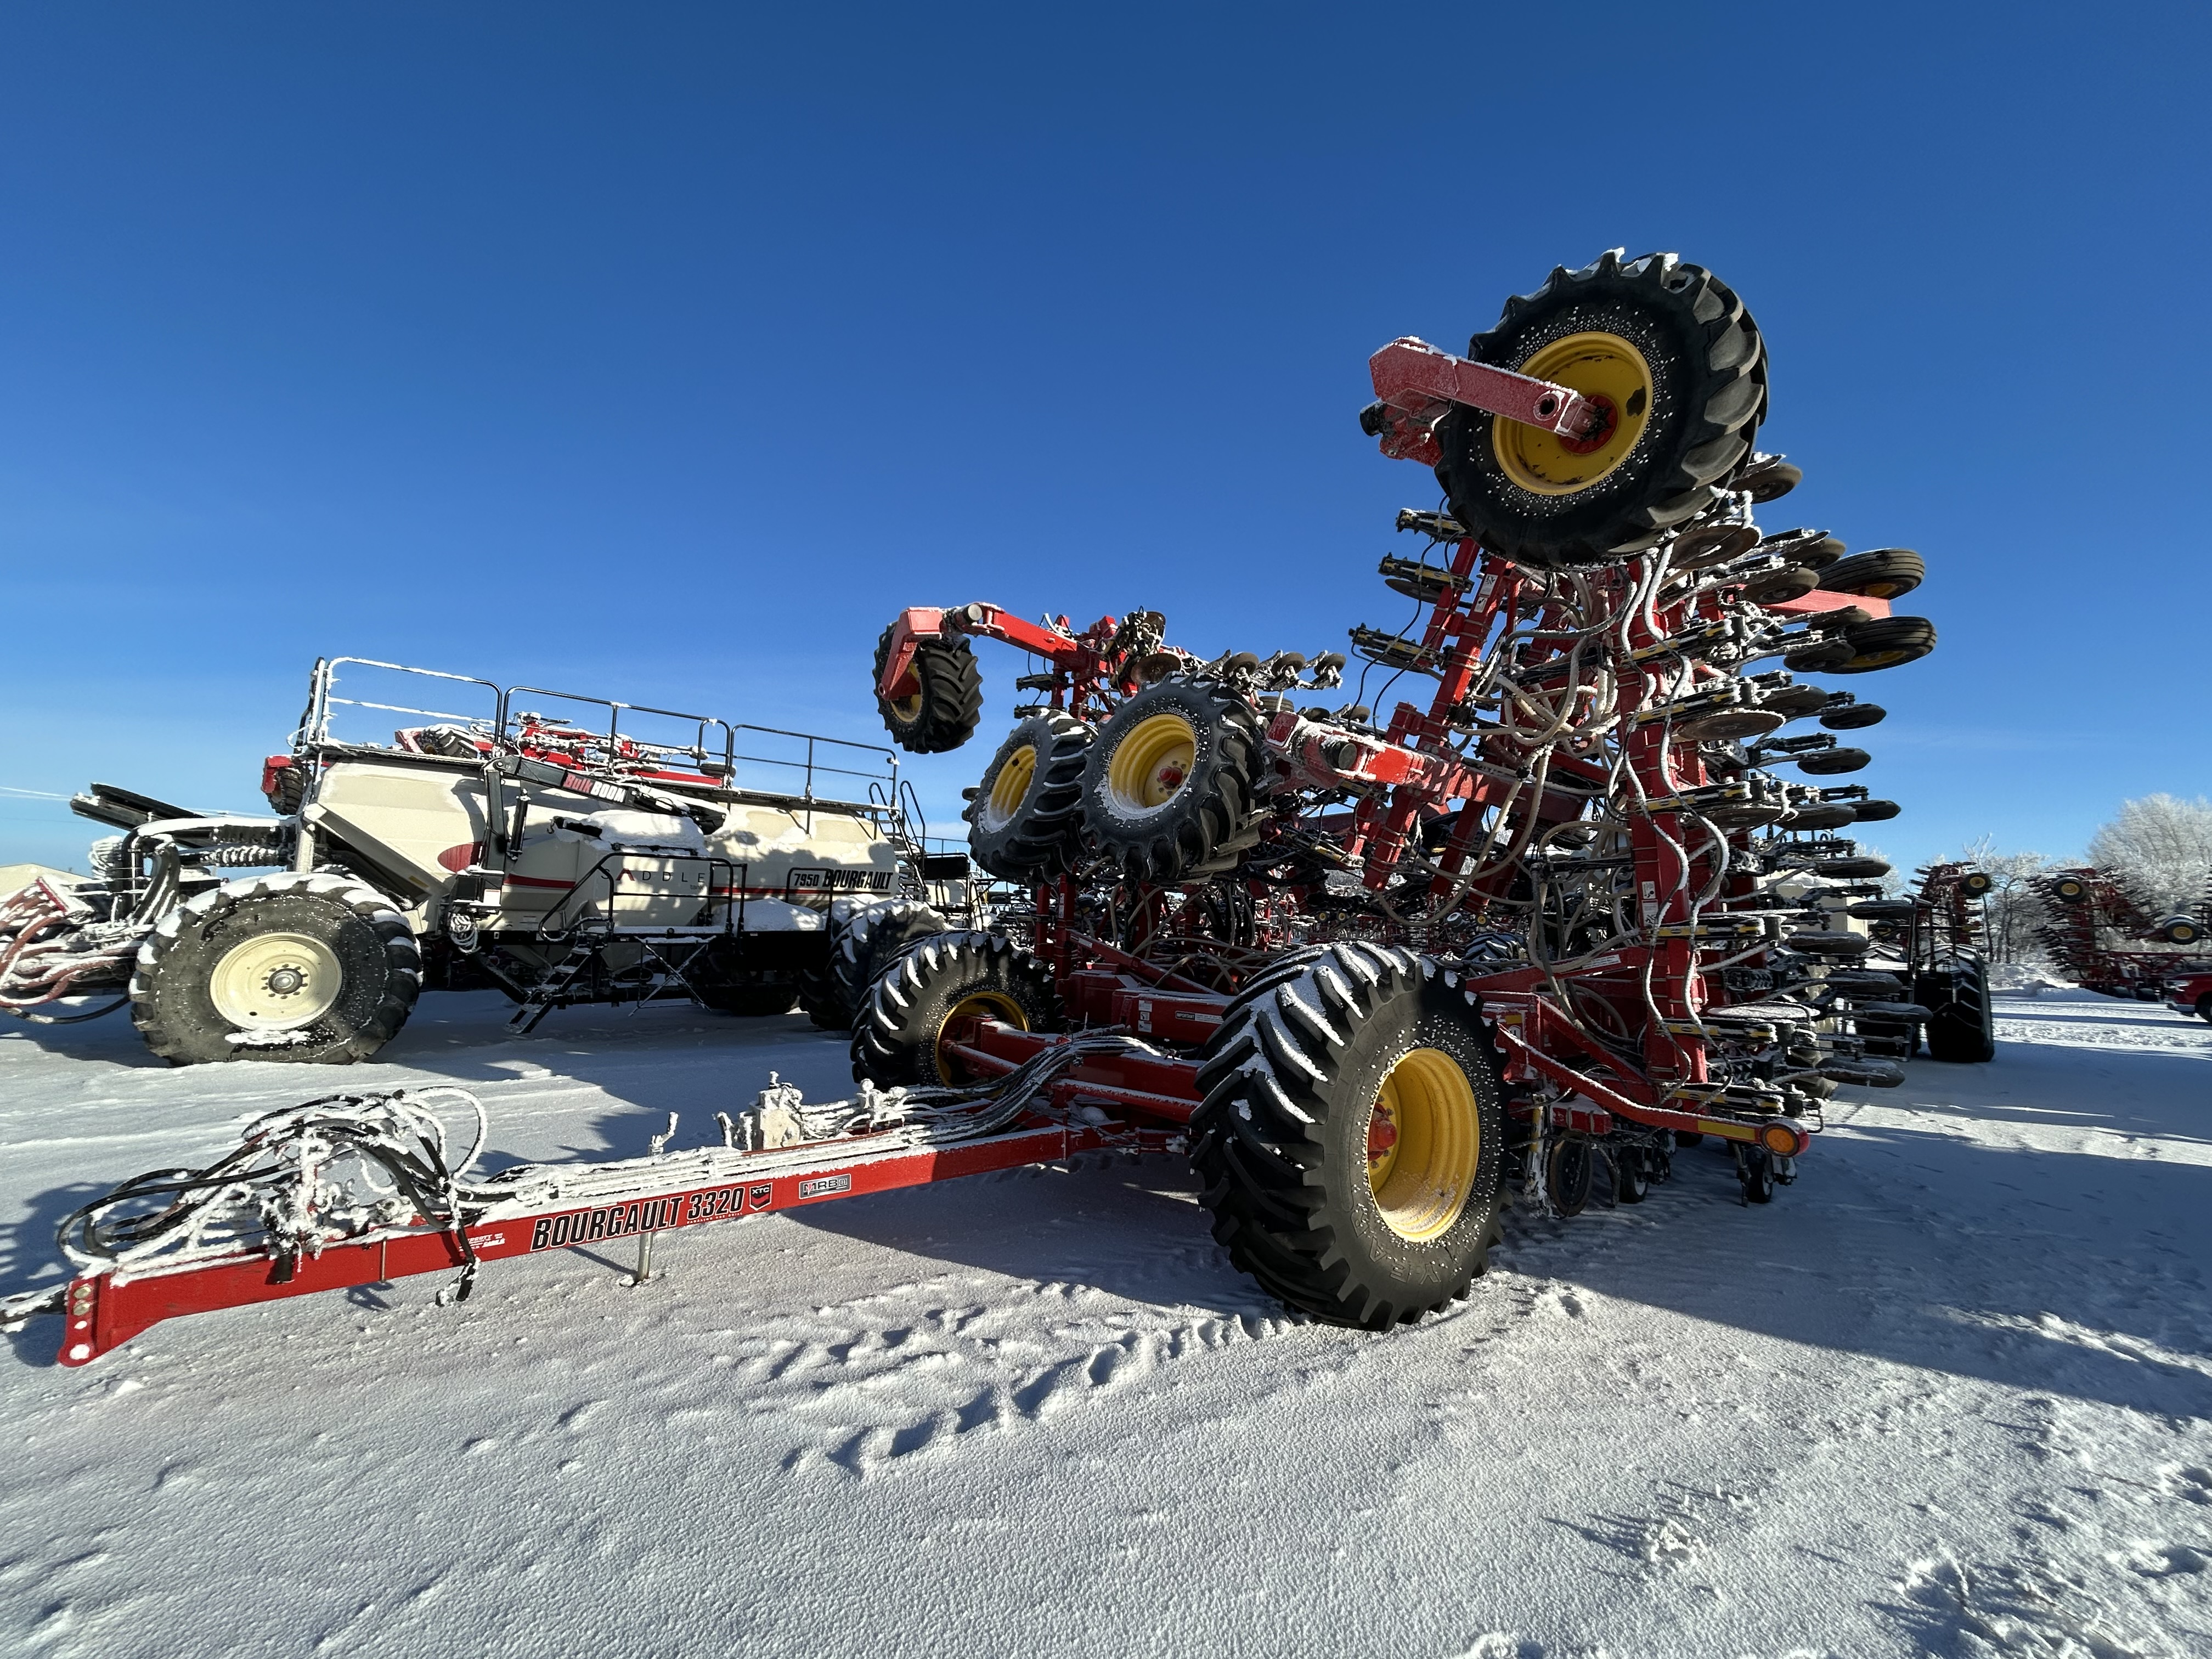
x: 1950, y: 1393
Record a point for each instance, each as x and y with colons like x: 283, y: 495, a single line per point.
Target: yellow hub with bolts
x: 982, y: 1004
x: 1424, y: 1145
x: 1609, y: 372
x: 275, y: 982
x: 1010, y: 787
x: 1151, y: 765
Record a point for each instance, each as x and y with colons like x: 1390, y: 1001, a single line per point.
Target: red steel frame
x: 1415, y: 384
x: 106, y: 1308
x: 1143, y: 1099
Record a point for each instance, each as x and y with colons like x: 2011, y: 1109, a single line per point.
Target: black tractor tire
x: 1886, y: 642
x: 1702, y: 376
x: 898, y: 1034
x: 820, y: 998
x: 1171, y: 785
x: 2204, y: 1008
x: 215, y: 979
x: 1885, y: 573
x: 1962, y: 1023
x: 762, y: 1001
x: 1285, y: 1139
x: 1854, y: 717
x: 1026, y: 823
x: 947, y: 700
x: 871, y: 937
x: 1874, y: 811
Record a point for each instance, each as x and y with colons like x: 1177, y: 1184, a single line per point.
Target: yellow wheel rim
x: 1601, y: 366
x: 275, y: 982
x: 1151, y: 765
x: 905, y: 710
x: 1010, y: 787
x: 987, y: 1005
x: 1424, y: 1145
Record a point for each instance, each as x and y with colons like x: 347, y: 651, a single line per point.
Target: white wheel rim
x: 277, y: 983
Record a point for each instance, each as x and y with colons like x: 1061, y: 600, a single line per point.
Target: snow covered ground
x: 1951, y: 1394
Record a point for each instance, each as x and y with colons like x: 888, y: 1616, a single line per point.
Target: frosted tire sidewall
x: 1434, y: 1272
x: 1041, y: 837
x: 172, y: 1001
x: 895, y: 1033
x: 1291, y: 1198
x: 1702, y: 422
x: 871, y: 939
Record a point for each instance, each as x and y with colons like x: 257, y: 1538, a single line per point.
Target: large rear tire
x: 867, y: 941
x: 942, y: 700
x: 1170, y: 787
x: 1352, y: 1132
x: 900, y: 1033
x: 313, y: 969
x: 761, y: 1001
x: 1962, y: 1023
x: 1672, y: 353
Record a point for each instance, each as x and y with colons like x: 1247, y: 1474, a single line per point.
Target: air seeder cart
x: 1534, y: 932
x: 562, y: 849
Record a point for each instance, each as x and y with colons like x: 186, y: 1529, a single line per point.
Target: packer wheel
x: 1755, y: 1169
x: 1768, y: 478
x: 1886, y: 642
x: 1670, y: 353
x: 307, y: 968
x: 1631, y: 1175
x: 1885, y: 573
x: 1352, y: 1131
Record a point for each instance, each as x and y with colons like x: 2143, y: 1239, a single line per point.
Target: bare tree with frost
x: 2161, y: 846
x: 2015, y: 911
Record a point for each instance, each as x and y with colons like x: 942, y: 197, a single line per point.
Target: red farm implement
x: 2100, y: 930
x: 1376, y: 971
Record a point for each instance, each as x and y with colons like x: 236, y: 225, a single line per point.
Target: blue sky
x: 669, y: 351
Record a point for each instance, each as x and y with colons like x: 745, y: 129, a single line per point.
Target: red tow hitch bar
x: 1416, y: 385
